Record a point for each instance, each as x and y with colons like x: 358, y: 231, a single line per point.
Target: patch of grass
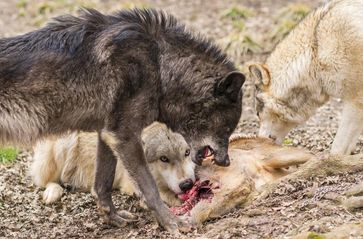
x: 287, y: 19
x: 21, y: 3
x: 8, y: 155
x: 239, y: 25
x: 250, y: 44
x: 134, y: 4
x: 298, y: 11
x: 238, y: 13
x: 45, y: 8
x: 239, y: 43
x: 313, y: 235
x: 287, y: 141
x: 42, y: 10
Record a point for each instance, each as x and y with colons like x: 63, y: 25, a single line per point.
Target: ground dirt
x: 294, y: 207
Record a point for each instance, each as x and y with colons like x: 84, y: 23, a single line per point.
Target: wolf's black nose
x: 224, y: 163
x: 186, y: 185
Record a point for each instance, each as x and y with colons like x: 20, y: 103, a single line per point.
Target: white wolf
x: 321, y: 58
x: 71, y: 160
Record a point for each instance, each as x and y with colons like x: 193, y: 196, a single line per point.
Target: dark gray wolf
x: 117, y: 74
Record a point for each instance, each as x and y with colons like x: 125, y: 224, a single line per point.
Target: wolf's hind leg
x: 104, y: 177
x: 319, y: 167
x: 349, y: 130
x: 286, y: 157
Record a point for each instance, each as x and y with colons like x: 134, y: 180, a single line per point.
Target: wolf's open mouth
x: 208, y: 154
x: 202, y: 190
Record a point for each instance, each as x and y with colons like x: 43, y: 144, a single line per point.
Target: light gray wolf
x: 116, y: 74
x: 71, y: 160
x: 321, y: 58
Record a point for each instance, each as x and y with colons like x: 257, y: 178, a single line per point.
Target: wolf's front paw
x: 173, y: 224
x: 53, y: 192
x: 119, y: 219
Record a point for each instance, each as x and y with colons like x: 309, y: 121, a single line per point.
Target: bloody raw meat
x: 202, y: 190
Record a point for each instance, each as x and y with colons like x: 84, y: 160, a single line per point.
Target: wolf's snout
x: 225, y: 162
x: 186, y: 185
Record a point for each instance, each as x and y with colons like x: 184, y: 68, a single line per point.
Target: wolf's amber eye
x: 164, y: 159
x: 187, y: 152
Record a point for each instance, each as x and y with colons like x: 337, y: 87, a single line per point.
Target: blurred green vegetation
x: 238, y: 13
x: 287, y: 141
x: 286, y: 19
x: 8, y: 155
x: 313, y: 235
x: 40, y: 11
x: 240, y: 40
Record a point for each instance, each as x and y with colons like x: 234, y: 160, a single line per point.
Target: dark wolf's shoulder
x: 63, y: 34
x: 158, y: 24
x: 67, y: 33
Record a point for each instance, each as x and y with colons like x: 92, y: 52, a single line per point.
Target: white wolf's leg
x: 44, y: 167
x: 349, y: 130
x: 52, y: 193
x: 45, y: 172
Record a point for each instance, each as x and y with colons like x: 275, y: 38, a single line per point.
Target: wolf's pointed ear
x: 230, y: 86
x: 260, y: 73
x: 149, y: 156
x: 149, y: 152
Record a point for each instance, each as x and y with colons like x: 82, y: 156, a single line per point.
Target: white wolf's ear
x: 230, y: 86
x: 152, y: 137
x: 153, y: 130
x: 261, y: 74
